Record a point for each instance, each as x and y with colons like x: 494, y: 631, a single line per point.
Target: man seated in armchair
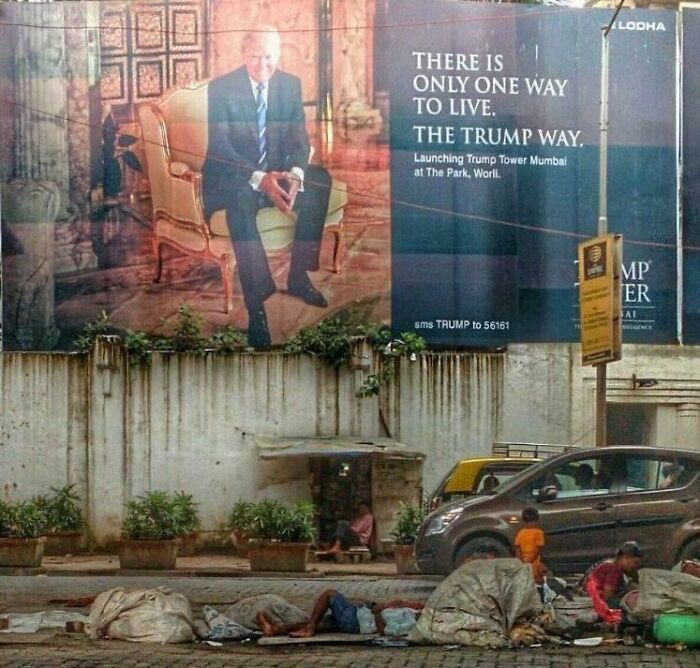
x: 257, y: 156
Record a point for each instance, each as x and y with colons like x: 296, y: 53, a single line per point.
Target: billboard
x: 691, y: 177
x: 432, y: 171
x: 494, y: 137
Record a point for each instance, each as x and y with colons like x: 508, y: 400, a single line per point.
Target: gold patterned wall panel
x: 147, y: 47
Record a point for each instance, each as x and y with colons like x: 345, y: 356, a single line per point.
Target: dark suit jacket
x: 232, y: 152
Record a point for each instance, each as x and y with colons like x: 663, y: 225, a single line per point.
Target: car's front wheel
x: 481, y: 547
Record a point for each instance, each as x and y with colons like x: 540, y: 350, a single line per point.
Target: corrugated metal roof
x: 272, y: 447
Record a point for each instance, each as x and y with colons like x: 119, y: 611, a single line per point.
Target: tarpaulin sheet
x: 478, y: 604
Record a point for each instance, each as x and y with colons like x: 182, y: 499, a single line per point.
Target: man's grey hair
x: 259, y: 31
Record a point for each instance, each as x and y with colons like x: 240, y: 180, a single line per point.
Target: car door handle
x: 603, y: 505
x: 687, y: 499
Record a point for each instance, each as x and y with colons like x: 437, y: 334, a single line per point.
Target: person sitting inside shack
x: 393, y: 618
x: 357, y: 533
x: 609, y: 582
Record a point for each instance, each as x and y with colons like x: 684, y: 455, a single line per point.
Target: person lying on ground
x: 609, y: 582
x: 529, y: 542
x: 395, y: 617
x: 353, y: 534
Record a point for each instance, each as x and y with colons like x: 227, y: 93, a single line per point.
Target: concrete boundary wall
x: 188, y: 422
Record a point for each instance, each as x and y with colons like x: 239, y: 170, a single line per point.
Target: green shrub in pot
x: 151, y: 516
x: 405, y: 532
x: 24, y: 519
x: 270, y: 520
x: 62, y: 510
x: 410, y: 518
x: 279, y: 534
x: 186, y: 513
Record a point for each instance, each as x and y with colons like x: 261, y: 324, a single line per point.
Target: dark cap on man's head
x: 630, y: 549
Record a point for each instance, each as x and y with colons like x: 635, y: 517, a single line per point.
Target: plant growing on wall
x: 186, y: 337
x: 332, y: 340
x: 98, y: 327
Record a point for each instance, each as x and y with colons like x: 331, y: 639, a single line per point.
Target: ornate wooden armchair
x: 174, y: 131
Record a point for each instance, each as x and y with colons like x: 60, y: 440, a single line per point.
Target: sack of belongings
x: 141, y: 615
x: 276, y: 609
x: 666, y: 591
x: 478, y: 604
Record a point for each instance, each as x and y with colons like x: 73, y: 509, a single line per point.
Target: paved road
x: 46, y: 650
x: 74, y: 653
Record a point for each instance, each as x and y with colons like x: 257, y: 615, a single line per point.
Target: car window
x: 443, y: 483
x: 648, y: 473
x: 583, y: 477
x: 494, y: 478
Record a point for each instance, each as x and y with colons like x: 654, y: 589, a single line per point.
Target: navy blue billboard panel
x: 691, y: 176
x: 494, y: 168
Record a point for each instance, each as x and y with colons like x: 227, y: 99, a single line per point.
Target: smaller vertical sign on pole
x: 599, y: 263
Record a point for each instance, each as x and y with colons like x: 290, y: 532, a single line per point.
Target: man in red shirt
x: 356, y: 533
x: 607, y: 583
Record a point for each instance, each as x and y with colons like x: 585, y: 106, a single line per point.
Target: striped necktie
x: 262, y: 129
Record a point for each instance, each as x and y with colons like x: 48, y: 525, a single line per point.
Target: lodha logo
x: 644, y: 26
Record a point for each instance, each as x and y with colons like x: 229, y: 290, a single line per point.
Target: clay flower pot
x: 273, y: 556
x: 148, y: 553
x: 26, y: 552
x: 64, y: 542
x: 405, y: 560
x: 187, y: 544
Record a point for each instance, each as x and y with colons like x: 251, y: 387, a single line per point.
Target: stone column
x: 41, y: 134
x: 29, y: 210
x: 688, y: 426
x: 74, y: 247
x: 352, y: 68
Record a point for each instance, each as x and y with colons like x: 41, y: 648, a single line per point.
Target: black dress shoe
x: 300, y: 286
x: 258, y: 331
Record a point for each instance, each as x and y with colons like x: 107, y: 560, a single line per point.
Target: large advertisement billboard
x: 271, y: 164
x: 494, y: 136
x: 691, y: 176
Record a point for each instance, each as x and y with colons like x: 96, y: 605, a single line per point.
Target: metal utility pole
x: 601, y: 436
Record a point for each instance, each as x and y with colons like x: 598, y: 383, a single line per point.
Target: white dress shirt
x: 257, y: 176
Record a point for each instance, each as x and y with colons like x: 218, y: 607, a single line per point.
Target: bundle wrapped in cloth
x: 141, y: 615
x: 479, y: 604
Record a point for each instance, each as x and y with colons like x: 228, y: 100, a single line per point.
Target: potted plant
x: 188, y: 523
x: 149, y: 532
x: 64, y: 521
x: 239, y: 522
x: 22, y: 539
x: 405, y: 533
x: 279, y: 536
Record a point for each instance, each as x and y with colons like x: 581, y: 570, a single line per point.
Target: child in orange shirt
x: 529, y: 542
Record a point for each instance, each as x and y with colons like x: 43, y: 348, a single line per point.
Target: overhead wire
x: 379, y: 198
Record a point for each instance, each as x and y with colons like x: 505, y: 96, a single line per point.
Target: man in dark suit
x: 257, y: 156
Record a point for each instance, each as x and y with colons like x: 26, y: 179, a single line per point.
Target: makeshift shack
x: 342, y: 471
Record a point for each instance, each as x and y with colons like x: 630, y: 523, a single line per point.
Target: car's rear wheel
x: 691, y: 550
x: 481, y: 546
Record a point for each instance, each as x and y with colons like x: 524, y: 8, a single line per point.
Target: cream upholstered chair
x: 174, y: 132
